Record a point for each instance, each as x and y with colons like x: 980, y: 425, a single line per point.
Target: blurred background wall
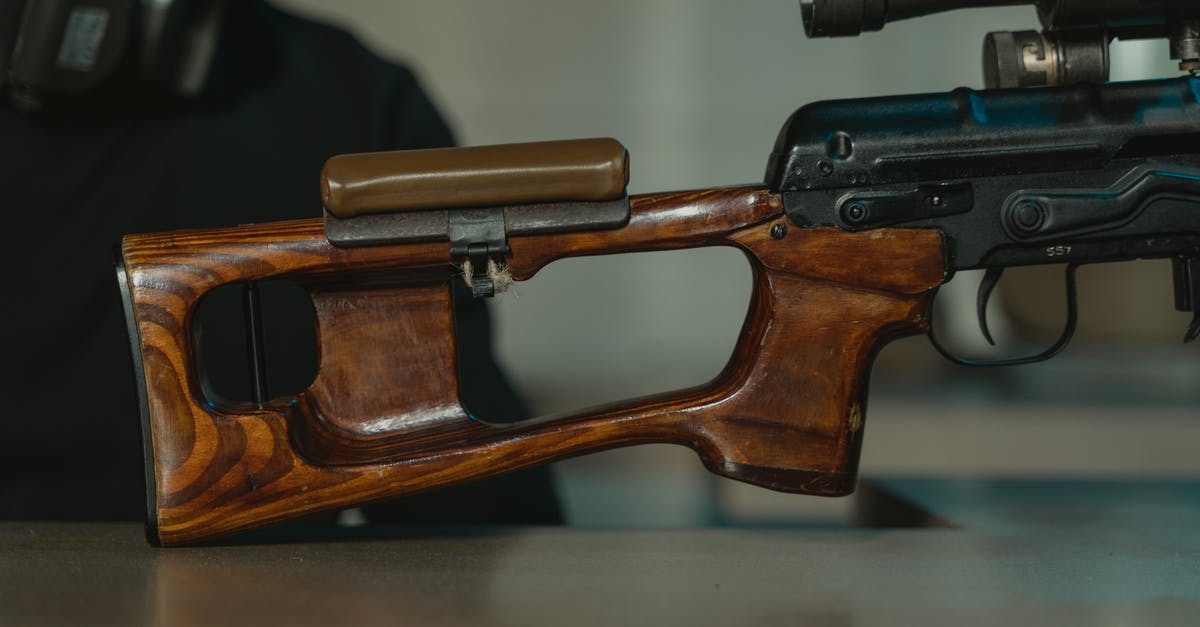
x: 697, y: 89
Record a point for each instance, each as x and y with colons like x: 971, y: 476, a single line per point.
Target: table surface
x: 1024, y: 552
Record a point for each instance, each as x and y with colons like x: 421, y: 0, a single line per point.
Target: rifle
x: 866, y: 208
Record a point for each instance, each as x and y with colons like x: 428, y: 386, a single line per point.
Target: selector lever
x: 1037, y: 214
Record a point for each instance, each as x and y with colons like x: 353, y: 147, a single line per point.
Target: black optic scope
x: 1072, y: 48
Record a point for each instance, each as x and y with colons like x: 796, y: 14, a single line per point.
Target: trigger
x: 990, y: 279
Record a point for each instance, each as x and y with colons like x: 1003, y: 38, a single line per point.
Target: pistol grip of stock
x: 825, y: 302
x: 383, y: 416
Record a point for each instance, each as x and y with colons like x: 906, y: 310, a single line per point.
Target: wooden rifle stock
x: 383, y: 418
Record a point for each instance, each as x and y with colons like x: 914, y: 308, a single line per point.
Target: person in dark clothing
x: 281, y: 96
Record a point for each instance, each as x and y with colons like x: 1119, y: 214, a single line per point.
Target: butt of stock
x: 382, y: 417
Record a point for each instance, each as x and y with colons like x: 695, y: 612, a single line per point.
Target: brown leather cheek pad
x: 478, y: 176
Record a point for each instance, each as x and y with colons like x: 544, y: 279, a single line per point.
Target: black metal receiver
x: 1075, y: 174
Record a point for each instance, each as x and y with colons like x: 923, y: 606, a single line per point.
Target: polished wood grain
x: 383, y: 417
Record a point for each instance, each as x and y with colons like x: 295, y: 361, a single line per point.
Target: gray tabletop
x: 1006, y: 552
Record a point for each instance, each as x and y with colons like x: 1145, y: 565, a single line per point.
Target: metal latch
x: 479, y: 242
